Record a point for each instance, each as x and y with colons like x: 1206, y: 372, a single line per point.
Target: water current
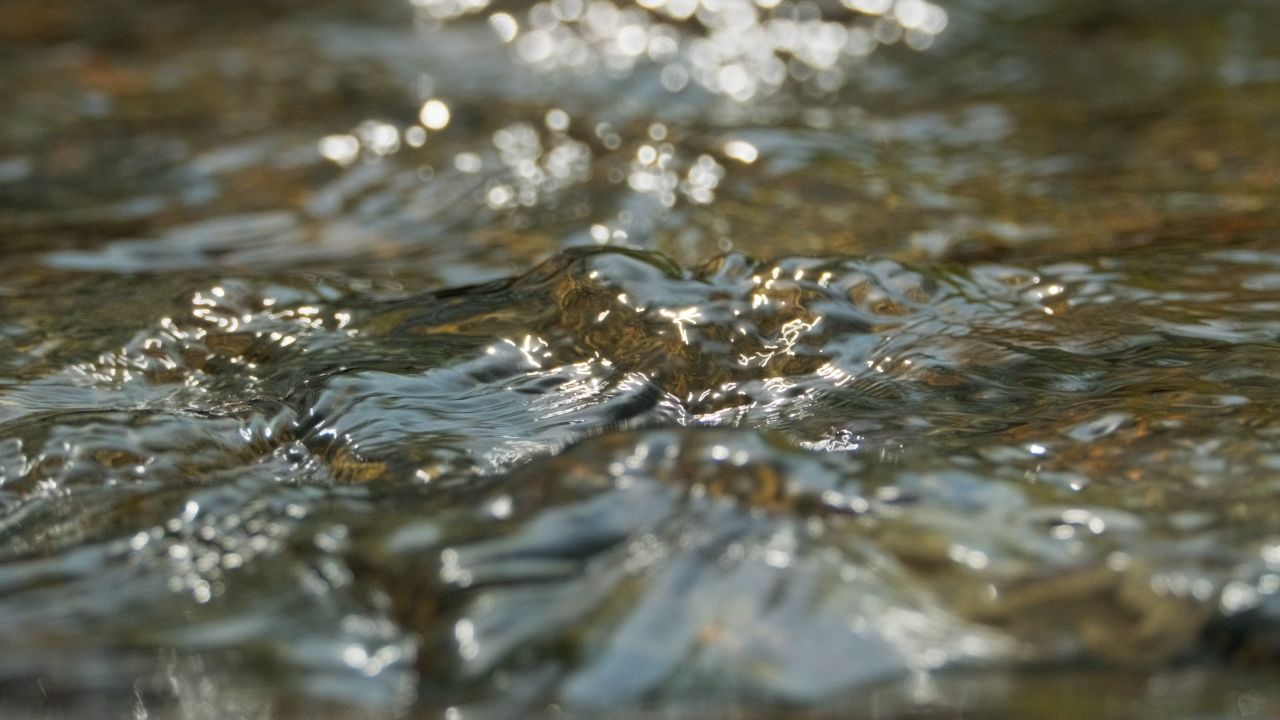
x: 678, y: 358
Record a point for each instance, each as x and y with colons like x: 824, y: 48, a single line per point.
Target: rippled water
x: 686, y: 358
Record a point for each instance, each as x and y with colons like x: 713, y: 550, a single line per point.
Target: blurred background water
x: 683, y: 358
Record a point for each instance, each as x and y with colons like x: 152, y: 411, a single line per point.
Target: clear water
x: 678, y: 359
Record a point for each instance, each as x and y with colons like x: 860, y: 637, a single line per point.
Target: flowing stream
x: 725, y: 359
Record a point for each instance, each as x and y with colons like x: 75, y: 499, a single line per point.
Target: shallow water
x: 474, y: 360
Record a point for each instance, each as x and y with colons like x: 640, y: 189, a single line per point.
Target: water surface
x: 677, y: 359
